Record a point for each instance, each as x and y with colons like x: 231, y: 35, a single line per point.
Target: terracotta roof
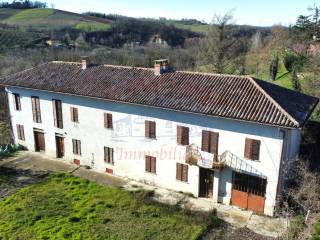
x: 235, y: 97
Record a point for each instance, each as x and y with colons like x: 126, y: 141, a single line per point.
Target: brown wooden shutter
x: 182, y: 135
x: 147, y: 129
x: 184, y: 172
x: 54, y: 106
x: 110, y: 122
x: 59, y: 114
x: 71, y: 114
x: 255, y: 150
x: 79, y: 147
x: 34, y: 112
x: 18, y: 131
x: 38, y: 111
x: 75, y: 114
x: 214, y: 143
x: 19, y: 102
x: 179, y: 134
x: 22, y: 132
x: 153, y: 165
x: 148, y: 164
x: 14, y: 101
x: 178, y: 171
x: 205, y: 141
x: 74, y: 148
x: 247, y: 148
x: 152, y: 130
x: 112, y: 153
x: 105, y: 153
x: 105, y: 120
x: 185, y: 136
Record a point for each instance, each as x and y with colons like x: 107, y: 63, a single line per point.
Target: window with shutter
x: 76, y: 146
x: 36, y: 109
x: 205, y: 141
x: 74, y: 114
x: 150, y: 129
x: 210, y: 142
x: 150, y: 164
x: 20, y: 132
x: 108, y: 123
x: 57, y: 113
x: 182, y: 172
x: 108, y: 155
x: 252, y: 149
x: 16, y: 102
x: 182, y: 135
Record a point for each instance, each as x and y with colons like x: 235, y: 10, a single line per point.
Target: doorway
x: 60, y: 146
x: 39, y: 141
x: 206, y: 183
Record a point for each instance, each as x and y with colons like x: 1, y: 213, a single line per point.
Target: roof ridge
x: 127, y: 67
x: 253, y: 80
x: 215, y: 74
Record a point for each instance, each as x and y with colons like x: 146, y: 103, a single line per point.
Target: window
x: 182, y: 172
x: 210, y: 141
x: 182, y: 135
x: 108, y: 120
x: 76, y: 146
x: 150, y: 129
x: 74, y: 114
x: 36, y: 109
x: 108, y: 155
x: 20, y: 131
x: 57, y: 113
x: 151, y: 165
x: 252, y: 149
x: 16, y: 102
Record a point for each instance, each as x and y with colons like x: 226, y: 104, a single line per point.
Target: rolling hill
x: 48, y: 19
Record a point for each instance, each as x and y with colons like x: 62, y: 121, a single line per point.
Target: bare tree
x: 217, y: 46
x: 301, y: 196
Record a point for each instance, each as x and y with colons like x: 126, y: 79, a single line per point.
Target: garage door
x: 248, y: 192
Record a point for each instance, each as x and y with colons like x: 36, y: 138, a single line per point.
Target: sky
x: 251, y: 12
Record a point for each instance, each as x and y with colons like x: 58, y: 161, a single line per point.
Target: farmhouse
x: 220, y: 137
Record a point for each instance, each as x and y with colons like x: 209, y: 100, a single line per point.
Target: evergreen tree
x: 274, y: 66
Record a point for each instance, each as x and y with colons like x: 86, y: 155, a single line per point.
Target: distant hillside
x: 48, y: 19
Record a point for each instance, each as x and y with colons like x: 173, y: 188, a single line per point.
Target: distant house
x: 220, y: 137
x: 158, y: 40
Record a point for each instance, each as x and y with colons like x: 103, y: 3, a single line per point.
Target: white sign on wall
x: 206, y: 160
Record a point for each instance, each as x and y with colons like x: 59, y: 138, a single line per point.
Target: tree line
x: 23, y: 4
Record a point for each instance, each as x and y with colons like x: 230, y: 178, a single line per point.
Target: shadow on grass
x: 282, y: 75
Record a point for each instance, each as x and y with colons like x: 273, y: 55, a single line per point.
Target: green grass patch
x: 30, y: 14
x: 92, y: 26
x: 67, y: 207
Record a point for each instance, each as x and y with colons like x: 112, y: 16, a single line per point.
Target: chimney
x: 161, y: 66
x: 85, y: 62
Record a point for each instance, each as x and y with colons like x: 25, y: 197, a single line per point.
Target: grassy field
x: 67, y: 207
x: 46, y: 19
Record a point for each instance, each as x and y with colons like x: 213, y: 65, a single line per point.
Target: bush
x: 289, y: 61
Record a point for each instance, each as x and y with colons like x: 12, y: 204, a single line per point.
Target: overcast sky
x: 253, y: 12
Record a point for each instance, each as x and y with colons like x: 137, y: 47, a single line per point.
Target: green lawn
x: 316, y: 235
x: 30, y: 14
x: 67, y: 207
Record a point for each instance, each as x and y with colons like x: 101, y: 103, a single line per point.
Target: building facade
x: 237, y: 162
